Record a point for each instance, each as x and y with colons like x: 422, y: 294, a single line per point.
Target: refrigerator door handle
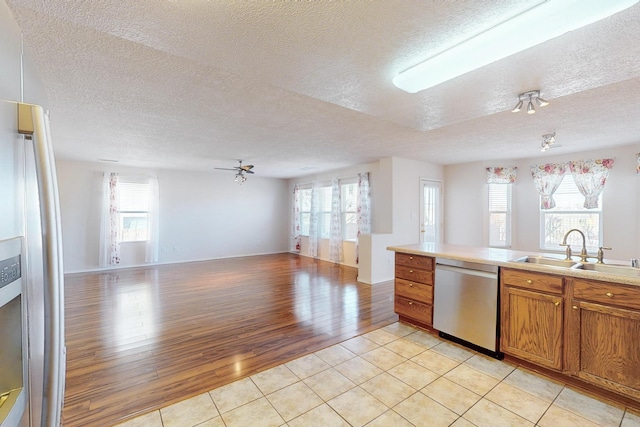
x: 34, y: 124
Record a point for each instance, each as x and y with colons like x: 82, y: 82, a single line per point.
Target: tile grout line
x: 406, y: 359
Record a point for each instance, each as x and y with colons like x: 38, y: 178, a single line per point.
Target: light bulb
x: 517, y: 107
x: 541, y: 102
x: 530, y: 107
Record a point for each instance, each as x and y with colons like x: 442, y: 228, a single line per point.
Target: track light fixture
x: 531, y: 96
x: 547, y: 141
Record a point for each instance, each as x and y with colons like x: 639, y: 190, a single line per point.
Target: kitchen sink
x: 621, y: 270
x: 548, y: 261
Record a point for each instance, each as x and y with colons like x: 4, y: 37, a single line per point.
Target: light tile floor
x: 392, y: 377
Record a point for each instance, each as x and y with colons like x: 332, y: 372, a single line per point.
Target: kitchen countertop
x: 505, y: 257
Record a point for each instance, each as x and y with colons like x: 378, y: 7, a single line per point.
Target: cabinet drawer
x: 606, y: 293
x: 414, y: 274
x: 533, y: 281
x: 414, y: 291
x: 423, y: 262
x: 415, y: 310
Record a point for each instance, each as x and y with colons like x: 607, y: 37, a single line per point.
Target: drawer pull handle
x: 529, y: 281
x: 609, y: 294
x: 575, y: 307
x: 410, y: 271
x: 557, y: 303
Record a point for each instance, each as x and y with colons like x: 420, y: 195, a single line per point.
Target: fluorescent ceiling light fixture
x: 544, y: 21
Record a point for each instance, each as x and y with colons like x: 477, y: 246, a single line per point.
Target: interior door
x: 430, y: 211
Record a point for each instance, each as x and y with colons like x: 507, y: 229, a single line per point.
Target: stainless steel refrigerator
x: 32, y: 352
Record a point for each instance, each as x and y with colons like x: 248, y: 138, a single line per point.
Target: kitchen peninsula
x: 578, y: 321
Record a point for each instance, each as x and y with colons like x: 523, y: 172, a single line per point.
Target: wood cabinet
x: 414, y: 288
x: 604, y: 335
x: 531, y: 324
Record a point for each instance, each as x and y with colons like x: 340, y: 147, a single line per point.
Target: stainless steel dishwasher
x: 465, y: 304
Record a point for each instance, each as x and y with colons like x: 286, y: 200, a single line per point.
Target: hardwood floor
x: 142, y: 338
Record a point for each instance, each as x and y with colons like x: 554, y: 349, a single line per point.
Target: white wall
x: 406, y: 175
x: 202, y: 215
x: 465, y: 202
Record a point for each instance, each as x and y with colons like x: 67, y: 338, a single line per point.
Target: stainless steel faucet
x: 583, y: 252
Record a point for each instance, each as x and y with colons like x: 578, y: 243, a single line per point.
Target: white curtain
x: 295, y: 220
x: 151, y: 248
x: 313, y: 223
x: 335, y: 236
x: 547, y: 178
x: 590, y: 177
x: 109, y: 226
x: 364, y: 209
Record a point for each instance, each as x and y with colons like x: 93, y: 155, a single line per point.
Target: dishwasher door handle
x: 466, y: 271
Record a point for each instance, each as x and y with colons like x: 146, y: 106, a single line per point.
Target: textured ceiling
x: 298, y: 87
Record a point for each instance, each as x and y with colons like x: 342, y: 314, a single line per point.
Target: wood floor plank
x: 140, y: 339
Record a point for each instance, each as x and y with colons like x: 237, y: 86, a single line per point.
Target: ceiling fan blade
x: 226, y: 169
x: 246, y: 167
x: 247, y: 171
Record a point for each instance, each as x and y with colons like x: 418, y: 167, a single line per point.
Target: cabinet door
x: 606, y: 340
x: 531, y: 326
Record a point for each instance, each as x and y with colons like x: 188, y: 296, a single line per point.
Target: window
x: 500, y: 215
x: 305, y: 211
x: 349, y: 210
x: 567, y: 214
x: 324, y: 217
x: 430, y: 211
x: 134, y: 197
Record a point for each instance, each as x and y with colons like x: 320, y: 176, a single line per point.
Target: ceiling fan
x: 240, y: 171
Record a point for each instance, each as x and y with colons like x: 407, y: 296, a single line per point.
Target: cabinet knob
x: 411, y: 285
x: 410, y: 257
x: 557, y: 303
x: 575, y: 307
x: 609, y: 294
x: 410, y: 302
x: 410, y: 271
x: 529, y: 281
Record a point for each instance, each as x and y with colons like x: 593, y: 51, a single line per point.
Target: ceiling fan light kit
x: 241, y: 172
x: 544, y: 21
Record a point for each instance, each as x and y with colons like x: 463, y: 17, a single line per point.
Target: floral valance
x: 638, y: 163
x: 501, y: 175
x: 590, y: 177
